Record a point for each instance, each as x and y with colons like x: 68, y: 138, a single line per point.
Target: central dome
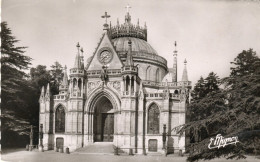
x: 138, y: 45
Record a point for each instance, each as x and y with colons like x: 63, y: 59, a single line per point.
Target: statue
x: 103, y: 74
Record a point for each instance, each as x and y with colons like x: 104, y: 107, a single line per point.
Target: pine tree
x: 56, y: 77
x: 232, y: 111
x: 14, y: 85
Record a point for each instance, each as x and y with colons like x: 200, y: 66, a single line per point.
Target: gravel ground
x: 51, y: 156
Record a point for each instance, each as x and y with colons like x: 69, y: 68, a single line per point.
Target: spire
x: 77, y: 63
x: 65, y: 77
x: 138, y: 22
x: 82, y: 58
x: 174, y: 73
x: 48, y: 92
x: 141, y: 91
x: 185, y: 74
x: 42, y: 94
x: 117, y: 23
x: 127, y: 16
x: 129, y: 59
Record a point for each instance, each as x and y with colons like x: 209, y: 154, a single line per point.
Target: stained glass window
x: 153, y: 119
x: 60, y: 120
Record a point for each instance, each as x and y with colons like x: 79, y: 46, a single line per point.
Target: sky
x: 209, y: 33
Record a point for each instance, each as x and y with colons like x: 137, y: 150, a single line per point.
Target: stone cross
x: 106, y: 16
x: 127, y: 8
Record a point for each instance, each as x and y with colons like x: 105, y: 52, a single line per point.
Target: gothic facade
x: 124, y: 94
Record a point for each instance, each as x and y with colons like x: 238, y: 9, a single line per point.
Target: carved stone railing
x: 98, y: 72
x: 129, y: 68
x: 76, y: 71
x: 160, y: 95
x: 163, y: 84
x: 60, y: 97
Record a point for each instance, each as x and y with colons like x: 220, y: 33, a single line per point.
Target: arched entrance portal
x: 103, y: 121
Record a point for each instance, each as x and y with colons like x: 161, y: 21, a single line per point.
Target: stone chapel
x: 123, y: 94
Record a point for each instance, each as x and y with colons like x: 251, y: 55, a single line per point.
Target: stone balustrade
x: 59, y: 97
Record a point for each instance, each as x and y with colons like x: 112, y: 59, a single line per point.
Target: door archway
x: 103, y: 125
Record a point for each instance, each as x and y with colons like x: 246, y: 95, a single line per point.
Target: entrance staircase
x: 105, y: 148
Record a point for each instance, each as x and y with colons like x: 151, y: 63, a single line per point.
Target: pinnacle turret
x: 185, y: 73
x: 42, y: 96
x: 65, y: 77
x: 78, y: 59
x: 48, y: 92
x: 174, y: 72
x: 129, y: 58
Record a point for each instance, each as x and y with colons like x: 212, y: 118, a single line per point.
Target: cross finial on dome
x: 127, y: 8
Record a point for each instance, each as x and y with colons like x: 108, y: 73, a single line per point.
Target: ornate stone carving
x: 117, y: 85
x: 93, y: 85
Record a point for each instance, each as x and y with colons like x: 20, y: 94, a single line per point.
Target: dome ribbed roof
x: 138, y: 45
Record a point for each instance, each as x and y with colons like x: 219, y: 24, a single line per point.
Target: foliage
x: 14, y: 84
x: 56, y: 73
x: 21, y: 92
x: 232, y: 111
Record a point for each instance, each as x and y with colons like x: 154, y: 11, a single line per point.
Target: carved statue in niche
x: 104, y: 75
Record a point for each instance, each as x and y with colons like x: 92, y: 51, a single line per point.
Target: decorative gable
x: 105, y: 55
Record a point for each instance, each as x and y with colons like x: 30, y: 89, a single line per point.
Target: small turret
x: 42, y: 97
x: 82, y: 58
x: 78, y: 62
x: 185, y: 73
x: 48, y: 93
x: 174, y: 72
x: 64, y: 84
x: 129, y: 58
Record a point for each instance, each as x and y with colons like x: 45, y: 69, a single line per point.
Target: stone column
x: 31, y: 139
x: 41, y: 137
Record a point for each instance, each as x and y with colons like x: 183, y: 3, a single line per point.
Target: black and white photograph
x: 130, y: 80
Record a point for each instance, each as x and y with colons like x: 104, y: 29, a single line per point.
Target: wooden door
x: 59, y: 142
x: 152, y: 145
x: 107, y: 127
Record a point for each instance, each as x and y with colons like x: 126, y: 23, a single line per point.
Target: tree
x: 14, y: 84
x: 199, y: 89
x: 244, y: 63
x: 232, y: 111
x: 56, y: 77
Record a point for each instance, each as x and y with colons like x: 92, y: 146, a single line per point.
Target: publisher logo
x: 221, y: 141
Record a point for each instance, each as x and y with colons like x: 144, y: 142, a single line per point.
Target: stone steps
x: 97, y: 148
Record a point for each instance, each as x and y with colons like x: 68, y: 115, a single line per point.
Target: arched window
x: 176, y: 92
x: 157, y: 77
x: 132, y: 84
x: 79, y: 87
x: 60, y: 120
x: 153, y: 119
x: 148, y: 73
x: 74, y: 83
x: 127, y: 83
